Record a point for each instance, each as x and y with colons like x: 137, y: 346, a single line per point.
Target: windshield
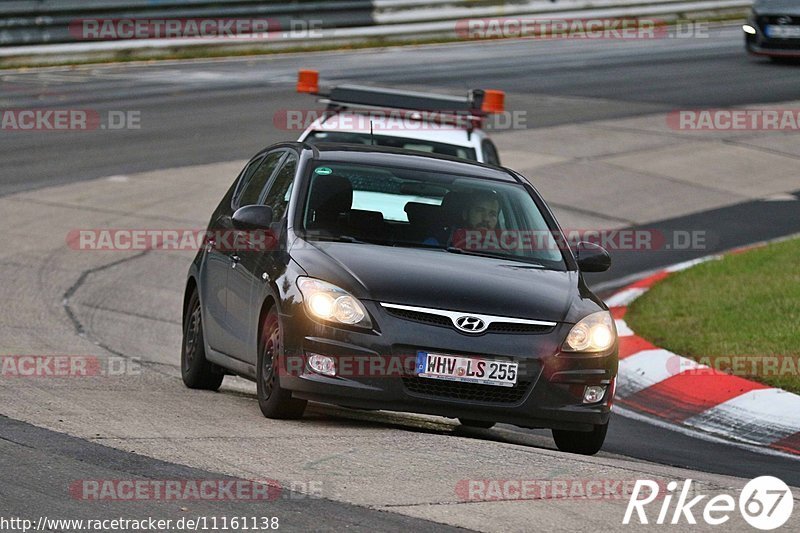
x: 409, y: 207
x: 419, y: 145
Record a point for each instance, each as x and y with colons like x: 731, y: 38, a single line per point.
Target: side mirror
x: 592, y: 257
x: 251, y: 217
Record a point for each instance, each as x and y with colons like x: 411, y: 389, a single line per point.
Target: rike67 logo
x: 765, y: 503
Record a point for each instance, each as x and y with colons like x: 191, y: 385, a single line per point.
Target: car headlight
x: 595, y: 333
x: 326, y: 301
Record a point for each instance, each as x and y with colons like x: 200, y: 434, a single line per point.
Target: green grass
x: 745, y: 305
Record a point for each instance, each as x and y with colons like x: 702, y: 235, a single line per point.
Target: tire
x: 475, y: 423
x: 274, y: 401
x: 581, y: 442
x: 196, y: 371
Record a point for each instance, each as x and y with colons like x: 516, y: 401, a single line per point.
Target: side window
x: 245, y: 176
x: 280, y: 188
x: 250, y: 190
x: 490, y: 153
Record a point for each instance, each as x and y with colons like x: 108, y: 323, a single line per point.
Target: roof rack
x: 475, y: 107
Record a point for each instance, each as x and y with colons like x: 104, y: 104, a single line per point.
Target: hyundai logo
x: 784, y: 20
x: 470, y: 324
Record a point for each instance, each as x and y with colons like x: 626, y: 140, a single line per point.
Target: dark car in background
x: 393, y: 280
x: 773, y: 29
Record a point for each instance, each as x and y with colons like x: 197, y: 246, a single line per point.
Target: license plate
x: 782, y: 31
x: 466, y: 369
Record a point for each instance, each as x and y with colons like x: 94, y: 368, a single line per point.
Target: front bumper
x: 379, y: 372
x: 762, y: 45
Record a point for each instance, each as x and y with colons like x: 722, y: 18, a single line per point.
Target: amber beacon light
x: 308, y: 81
x: 494, y: 102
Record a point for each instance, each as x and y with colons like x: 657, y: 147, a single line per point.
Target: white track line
x: 689, y: 432
x: 644, y: 369
x: 761, y: 416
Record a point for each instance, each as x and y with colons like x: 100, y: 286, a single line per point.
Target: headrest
x: 331, y: 194
x: 419, y: 213
x: 365, y: 219
x: 453, y: 206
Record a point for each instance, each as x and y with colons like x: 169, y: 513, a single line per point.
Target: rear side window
x: 490, y: 155
x: 254, y: 181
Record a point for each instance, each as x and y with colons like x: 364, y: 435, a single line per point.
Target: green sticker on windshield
x: 324, y: 171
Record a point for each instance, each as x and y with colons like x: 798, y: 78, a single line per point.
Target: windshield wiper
x: 406, y: 244
x: 341, y: 238
x: 507, y: 257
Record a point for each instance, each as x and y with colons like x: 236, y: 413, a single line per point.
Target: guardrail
x: 30, y: 22
x: 31, y: 31
x: 34, y: 22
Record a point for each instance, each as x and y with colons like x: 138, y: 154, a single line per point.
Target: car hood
x: 442, y: 280
x: 777, y: 7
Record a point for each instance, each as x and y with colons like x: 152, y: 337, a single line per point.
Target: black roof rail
x: 475, y: 106
x: 377, y: 97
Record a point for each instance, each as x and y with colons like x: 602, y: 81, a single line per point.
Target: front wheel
x: 274, y: 401
x: 581, y: 442
x: 196, y: 371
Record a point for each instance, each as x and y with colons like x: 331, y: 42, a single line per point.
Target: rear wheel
x: 475, y: 423
x: 274, y: 401
x: 196, y: 371
x: 582, y: 442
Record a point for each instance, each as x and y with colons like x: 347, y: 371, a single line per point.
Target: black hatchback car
x: 381, y: 279
x: 773, y: 29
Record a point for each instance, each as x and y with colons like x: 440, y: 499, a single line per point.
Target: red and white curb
x: 679, y: 390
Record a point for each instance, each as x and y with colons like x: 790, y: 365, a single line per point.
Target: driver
x: 482, y: 211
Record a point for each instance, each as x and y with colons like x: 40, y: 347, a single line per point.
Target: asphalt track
x: 37, y: 464
x: 209, y: 111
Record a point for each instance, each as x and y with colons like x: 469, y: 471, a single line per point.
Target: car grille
x: 773, y: 19
x: 427, y: 318
x: 443, y: 321
x: 509, y: 327
x: 778, y: 43
x: 466, y: 391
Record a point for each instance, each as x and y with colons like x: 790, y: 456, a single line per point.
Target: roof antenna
x: 371, y: 136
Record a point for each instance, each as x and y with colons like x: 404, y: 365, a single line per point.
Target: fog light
x: 749, y: 29
x: 322, y: 364
x: 594, y: 393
